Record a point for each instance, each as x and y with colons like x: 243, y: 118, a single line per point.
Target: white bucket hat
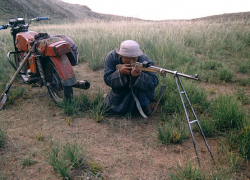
x: 129, y: 48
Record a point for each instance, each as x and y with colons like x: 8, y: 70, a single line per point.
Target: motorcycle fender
x: 64, y: 69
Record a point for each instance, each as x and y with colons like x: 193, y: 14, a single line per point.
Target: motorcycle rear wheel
x: 57, y: 91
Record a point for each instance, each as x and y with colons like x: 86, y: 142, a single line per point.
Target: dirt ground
x: 128, y: 148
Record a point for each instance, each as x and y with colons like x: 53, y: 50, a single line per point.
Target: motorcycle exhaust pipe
x: 82, y: 84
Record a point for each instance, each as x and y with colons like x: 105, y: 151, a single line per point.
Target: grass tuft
x: 69, y: 161
x: 225, y: 75
x: 227, y: 113
x: 187, y: 172
x: 2, y: 138
x: 26, y: 161
x: 173, y: 131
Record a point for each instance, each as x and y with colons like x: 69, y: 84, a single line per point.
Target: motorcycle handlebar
x: 42, y: 18
x: 4, y: 26
x: 38, y: 19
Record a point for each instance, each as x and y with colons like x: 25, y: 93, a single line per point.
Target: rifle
x: 145, y: 66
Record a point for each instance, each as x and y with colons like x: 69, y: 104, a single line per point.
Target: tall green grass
x: 227, y: 113
x: 171, y: 101
x: 240, y: 140
x: 169, y: 44
x: 83, y: 103
x: 188, y: 171
x: 188, y: 47
x: 6, y: 45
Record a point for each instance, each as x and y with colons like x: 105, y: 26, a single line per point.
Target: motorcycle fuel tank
x: 23, y: 39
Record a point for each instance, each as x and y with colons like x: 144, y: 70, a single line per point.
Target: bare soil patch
x: 128, y: 148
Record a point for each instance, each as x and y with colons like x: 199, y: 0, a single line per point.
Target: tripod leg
x: 196, y: 119
x: 205, y: 141
x: 183, y: 103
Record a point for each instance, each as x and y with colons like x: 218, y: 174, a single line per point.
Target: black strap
x: 163, y: 87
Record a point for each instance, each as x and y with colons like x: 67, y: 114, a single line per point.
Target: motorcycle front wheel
x: 57, y: 91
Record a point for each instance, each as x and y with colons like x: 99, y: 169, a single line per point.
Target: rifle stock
x: 146, y: 67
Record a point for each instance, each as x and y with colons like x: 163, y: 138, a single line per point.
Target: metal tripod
x: 181, y: 92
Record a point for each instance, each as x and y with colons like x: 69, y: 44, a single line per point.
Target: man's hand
x: 135, y: 72
x: 126, y: 69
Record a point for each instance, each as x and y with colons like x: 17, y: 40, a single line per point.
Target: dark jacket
x: 120, y: 99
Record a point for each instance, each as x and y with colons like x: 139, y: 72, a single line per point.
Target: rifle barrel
x: 162, y: 70
x: 159, y: 70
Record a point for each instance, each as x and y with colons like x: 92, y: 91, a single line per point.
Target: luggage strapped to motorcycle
x: 45, y: 45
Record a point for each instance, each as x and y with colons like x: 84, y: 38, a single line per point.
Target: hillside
x: 60, y: 11
x: 57, y: 10
x: 226, y: 17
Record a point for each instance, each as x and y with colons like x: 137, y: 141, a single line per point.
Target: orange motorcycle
x: 42, y: 59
